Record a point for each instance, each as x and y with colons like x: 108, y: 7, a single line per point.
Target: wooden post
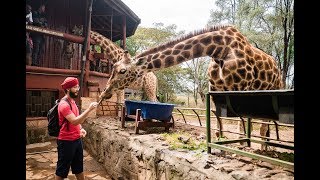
x: 123, y: 116
x: 208, y: 123
x: 249, y: 131
x: 124, y: 31
x: 138, y: 114
x: 84, y: 64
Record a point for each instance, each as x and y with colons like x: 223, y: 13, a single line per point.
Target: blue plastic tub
x: 150, y: 110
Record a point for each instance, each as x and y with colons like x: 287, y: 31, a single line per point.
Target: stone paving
x: 41, y: 161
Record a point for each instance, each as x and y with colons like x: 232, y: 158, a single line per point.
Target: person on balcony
x: 29, y: 14
x: 39, y: 19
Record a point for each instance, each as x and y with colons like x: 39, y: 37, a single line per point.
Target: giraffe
x: 70, y: 47
x: 147, y: 82
x: 235, y: 64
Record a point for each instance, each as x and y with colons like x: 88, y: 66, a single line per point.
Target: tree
x: 145, y: 38
x: 170, y: 82
x: 268, y: 24
x: 284, y: 10
x: 196, y: 72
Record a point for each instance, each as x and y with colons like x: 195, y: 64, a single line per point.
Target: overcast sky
x: 188, y: 15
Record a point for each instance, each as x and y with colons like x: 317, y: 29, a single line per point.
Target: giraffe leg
x: 264, y: 131
x: 220, y: 127
x: 150, y: 86
x: 119, y: 94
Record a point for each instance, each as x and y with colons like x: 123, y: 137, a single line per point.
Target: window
x: 38, y: 102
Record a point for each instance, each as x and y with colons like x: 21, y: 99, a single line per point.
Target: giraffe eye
x: 122, y: 71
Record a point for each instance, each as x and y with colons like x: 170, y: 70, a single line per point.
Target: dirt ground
x: 193, y: 127
x: 41, y: 161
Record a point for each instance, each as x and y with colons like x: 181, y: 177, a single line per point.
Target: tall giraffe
x: 147, y: 82
x: 236, y: 65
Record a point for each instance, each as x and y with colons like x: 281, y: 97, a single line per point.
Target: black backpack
x: 53, y: 119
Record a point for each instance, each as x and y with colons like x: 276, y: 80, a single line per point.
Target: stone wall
x: 126, y: 155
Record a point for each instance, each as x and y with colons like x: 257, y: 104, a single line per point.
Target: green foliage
x: 183, y: 140
x: 97, y: 48
x: 146, y: 38
x: 178, y: 102
x: 285, y: 156
x: 196, y: 75
x: 267, y: 24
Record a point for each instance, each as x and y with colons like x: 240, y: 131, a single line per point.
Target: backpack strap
x: 64, y: 119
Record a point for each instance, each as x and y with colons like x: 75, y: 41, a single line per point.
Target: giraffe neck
x: 212, y: 42
x: 110, y: 49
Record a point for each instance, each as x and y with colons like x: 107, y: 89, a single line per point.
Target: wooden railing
x: 256, y: 121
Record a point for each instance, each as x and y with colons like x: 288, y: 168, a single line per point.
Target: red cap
x: 69, y: 82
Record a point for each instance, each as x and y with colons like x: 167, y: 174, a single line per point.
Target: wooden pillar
x: 85, y: 66
x: 124, y: 31
x: 111, y: 24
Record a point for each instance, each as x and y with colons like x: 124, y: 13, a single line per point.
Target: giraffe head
x: 124, y: 73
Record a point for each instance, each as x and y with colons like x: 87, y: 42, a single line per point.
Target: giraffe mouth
x: 105, y: 95
x: 108, y: 96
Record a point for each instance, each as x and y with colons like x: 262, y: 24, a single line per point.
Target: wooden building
x: 66, y: 18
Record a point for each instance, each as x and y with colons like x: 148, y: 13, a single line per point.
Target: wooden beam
x: 57, y: 34
x: 103, y: 29
x: 124, y: 31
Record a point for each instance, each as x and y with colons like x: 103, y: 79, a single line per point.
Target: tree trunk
x: 202, y: 96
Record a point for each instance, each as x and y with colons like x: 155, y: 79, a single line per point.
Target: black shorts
x: 70, y: 154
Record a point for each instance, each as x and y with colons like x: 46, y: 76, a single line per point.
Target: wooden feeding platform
x: 274, y: 105
x: 147, y: 114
